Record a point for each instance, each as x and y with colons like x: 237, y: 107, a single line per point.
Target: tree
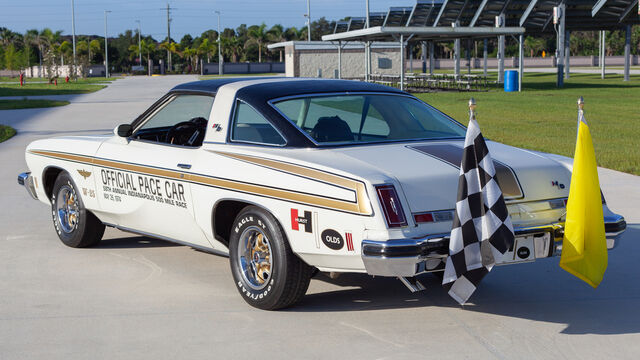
x: 231, y: 47
x: 258, y: 35
x: 276, y: 34
x: 206, y: 48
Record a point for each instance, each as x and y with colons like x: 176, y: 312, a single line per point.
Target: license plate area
x: 527, y: 248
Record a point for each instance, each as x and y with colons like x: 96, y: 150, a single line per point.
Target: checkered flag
x: 482, y: 231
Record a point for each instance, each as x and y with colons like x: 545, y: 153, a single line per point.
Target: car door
x: 143, y: 178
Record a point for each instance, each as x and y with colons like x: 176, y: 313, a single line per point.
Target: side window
x: 182, y: 121
x: 250, y: 126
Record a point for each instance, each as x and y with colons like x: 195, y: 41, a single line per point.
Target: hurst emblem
x: 304, y: 221
x: 84, y: 173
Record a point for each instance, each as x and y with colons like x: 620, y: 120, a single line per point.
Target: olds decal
x: 332, y: 239
x: 305, y: 221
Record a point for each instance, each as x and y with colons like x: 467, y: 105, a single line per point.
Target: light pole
x: 139, y: 45
x: 73, y: 33
x: 106, y: 47
x: 220, y: 67
x: 308, y: 20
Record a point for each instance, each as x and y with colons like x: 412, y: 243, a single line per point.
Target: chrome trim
x: 25, y: 179
x: 345, y: 93
x: 413, y: 256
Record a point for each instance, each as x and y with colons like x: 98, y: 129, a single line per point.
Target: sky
x: 189, y: 16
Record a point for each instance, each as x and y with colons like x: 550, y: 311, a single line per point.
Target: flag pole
x: 580, y: 114
x: 472, y: 109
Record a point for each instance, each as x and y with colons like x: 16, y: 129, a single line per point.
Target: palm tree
x: 258, y: 35
x: 232, y: 47
x: 148, y: 47
x: 276, y: 34
x: 207, y: 48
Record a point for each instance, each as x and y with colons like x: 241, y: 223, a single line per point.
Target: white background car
x: 292, y: 175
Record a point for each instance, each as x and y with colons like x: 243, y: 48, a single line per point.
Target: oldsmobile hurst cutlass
x: 291, y: 176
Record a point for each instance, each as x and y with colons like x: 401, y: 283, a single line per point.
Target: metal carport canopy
x: 417, y: 33
x: 420, y: 33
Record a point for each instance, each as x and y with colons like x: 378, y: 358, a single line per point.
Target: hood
x: 428, y: 172
x: 80, y: 145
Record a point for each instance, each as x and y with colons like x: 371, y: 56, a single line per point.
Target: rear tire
x: 76, y: 227
x: 267, y: 273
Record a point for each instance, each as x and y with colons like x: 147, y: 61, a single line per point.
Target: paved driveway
x: 135, y: 297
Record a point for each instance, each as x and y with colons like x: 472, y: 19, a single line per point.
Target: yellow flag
x: 584, y: 247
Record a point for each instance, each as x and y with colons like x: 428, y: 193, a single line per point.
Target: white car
x: 291, y: 176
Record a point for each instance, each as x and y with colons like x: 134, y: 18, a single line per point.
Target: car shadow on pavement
x: 539, y: 291
x: 130, y: 242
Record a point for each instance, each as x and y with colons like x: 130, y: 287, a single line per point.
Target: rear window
x: 367, y: 118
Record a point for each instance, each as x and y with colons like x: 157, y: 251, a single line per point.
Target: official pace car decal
x: 164, y: 191
x: 361, y: 206
x: 349, y: 237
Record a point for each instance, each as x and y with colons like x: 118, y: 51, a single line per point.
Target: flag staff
x: 472, y: 109
x: 580, y: 114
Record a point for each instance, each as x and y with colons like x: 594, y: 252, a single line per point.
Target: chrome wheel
x: 254, y: 258
x: 67, y: 209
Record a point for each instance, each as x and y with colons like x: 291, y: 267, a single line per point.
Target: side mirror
x: 123, y: 130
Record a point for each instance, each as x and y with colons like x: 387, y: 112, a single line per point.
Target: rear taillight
x: 391, y: 206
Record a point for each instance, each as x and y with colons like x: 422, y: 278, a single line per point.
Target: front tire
x: 268, y: 274
x: 76, y: 227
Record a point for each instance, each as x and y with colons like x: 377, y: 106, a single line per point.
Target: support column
x: 560, y: 45
x: 520, y: 60
x: 456, y: 57
x: 402, y: 64
x: 432, y: 62
x: 366, y: 61
x: 501, y: 39
x: 424, y: 57
x: 627, y: 53
x: 410, y: 59
x: 339, y: 59
x: 469, y: 56
x: 603, y: 52
x: 567, y: 54
x: 456, y: 54
x: 484, y: 56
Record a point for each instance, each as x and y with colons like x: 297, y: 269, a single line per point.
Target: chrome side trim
x: 25, y: 179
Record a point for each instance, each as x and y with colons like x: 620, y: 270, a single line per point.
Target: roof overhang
x: 419, y: 33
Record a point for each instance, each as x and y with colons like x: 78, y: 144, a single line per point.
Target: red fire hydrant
x: 55, y: 81
x: 66, y: 79
x: 21, y: 79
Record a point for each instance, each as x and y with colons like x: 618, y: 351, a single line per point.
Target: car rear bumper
x: 25, y: 179
x: 410, y: 257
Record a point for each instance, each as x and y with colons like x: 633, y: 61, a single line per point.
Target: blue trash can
x: 510, y: 80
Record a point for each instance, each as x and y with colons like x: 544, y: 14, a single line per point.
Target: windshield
x: 367, y: 118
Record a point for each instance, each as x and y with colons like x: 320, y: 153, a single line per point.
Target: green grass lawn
x: 6, y: 132
x: 544, y: 118
x: 81, y: 86
x: 29, y: 104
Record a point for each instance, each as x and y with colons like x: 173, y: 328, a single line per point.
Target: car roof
x: 283, y: 86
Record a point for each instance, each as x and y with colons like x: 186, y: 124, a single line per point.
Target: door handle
x: 184, y: 166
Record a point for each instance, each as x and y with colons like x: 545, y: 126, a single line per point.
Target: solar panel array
x: 535, y: 16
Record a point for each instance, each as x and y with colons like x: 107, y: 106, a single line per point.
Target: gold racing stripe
x: 362, y: 206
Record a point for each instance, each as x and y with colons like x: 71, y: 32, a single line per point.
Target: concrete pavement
x: 138, y: 298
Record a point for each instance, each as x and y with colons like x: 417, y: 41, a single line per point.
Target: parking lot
x: 136, y: 297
